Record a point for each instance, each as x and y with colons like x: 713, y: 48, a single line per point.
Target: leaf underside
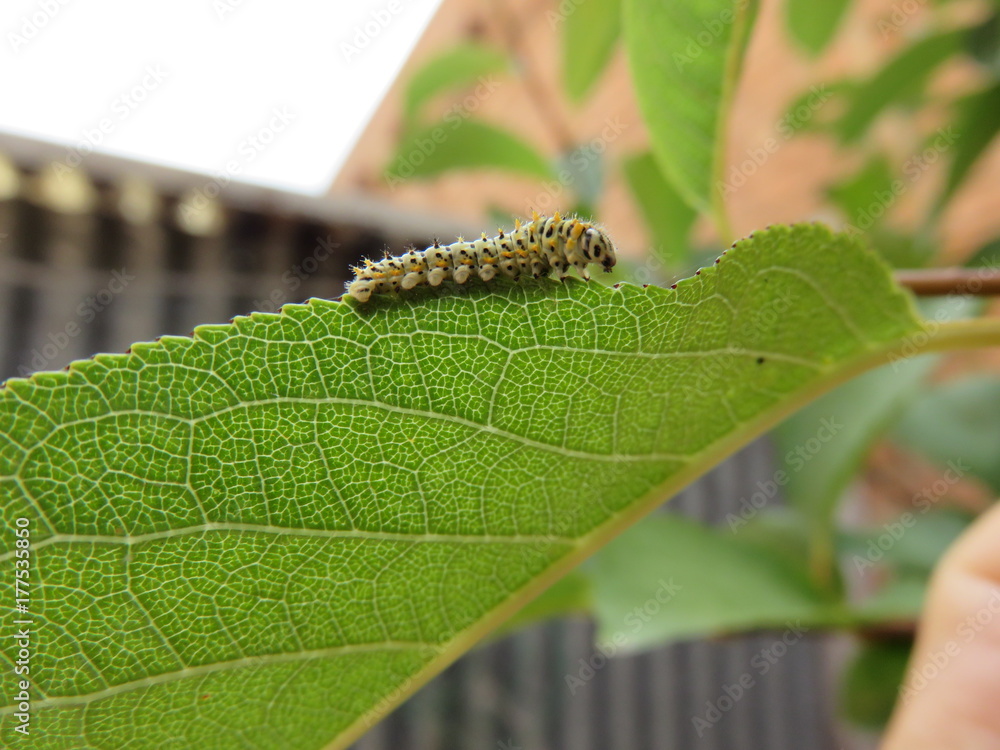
x: 277, y: 529
x: 684, y: 59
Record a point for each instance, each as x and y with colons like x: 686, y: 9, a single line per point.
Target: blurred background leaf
x: 957, y: 421
x: 670, y: 578
x: 666, y: 213
x: 871, y: 683
x: 459, y: 67
x: 590, y: 31
x: 685, y: 59
x: 813, y: 24
x: 468, y: 144
x: 976, y: 125
x: 822, y: 445
x: 901, y: 79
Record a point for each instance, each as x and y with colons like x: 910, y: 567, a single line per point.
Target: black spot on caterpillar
x: 534, y: 249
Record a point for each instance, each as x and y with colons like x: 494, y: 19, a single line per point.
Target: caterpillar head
x: 598, y: 248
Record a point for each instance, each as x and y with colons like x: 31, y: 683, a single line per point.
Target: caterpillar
x: 534, y: 249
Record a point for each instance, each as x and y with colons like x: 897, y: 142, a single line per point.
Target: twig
x: 934, y: 282
x: 543, y: 102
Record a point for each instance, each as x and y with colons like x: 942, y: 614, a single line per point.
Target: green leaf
x: 808, y: 112
x: 685, y: 58
x: 867, y: 195
x: 457, y: 68
x: 778, y: 529
x: 813, y: 24
x: 590, y: 30
x: 987, y: 256
x: 464, y: 144
x: 982, y: 42
x: 957, y: 424
x: 823, y: 444
x: 281, y: 527
x: 900, y: 600
x: 670, y: 578
x: 872, y: 682
x: 910, y: 544
x: 976, y: 126
x: 902, y: 78
x: 902, y: 250
x: 668, y: 217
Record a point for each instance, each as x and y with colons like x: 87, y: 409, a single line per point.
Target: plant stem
x: 544, y: 104
x: 932, y: 282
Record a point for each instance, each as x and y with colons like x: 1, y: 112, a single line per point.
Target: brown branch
x: 933, y: 282
x: 513, y: 31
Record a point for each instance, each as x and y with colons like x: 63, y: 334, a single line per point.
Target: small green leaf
x: 458, y: 67
x: 872, y: 682
x: 988, y: 256
x: 976, y: 126
x: 903, y: 77
x: 957, y: 425
x: 685, y: 58
x: 813, y: 24
x: 467, y: 144
x: 670, y: 578
x: 866, y: 196
x: 668, y: 217
x: 590, y: 30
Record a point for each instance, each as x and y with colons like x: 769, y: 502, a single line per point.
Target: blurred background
x: 162, y: 167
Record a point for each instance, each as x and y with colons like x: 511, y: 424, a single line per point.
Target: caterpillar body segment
x: 534, y: 249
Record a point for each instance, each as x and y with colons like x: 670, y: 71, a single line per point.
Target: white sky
x: 199, y: 84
